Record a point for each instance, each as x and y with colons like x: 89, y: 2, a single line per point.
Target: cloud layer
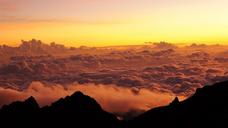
x: 122, y: 79
x: 112, y: 98
x: 163, y: 67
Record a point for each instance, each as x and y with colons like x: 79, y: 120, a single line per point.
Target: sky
x: 114, y: 22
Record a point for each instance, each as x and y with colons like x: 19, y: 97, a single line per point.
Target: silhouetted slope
x: 27, y: 107
x: 208, y: 107
x: 77, y: 102
x: 19, y: 114
x: 79, y: 109
x: 76, y: 110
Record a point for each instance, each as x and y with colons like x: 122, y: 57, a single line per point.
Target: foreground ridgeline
x: 72, y: 111
x: 208, y: 107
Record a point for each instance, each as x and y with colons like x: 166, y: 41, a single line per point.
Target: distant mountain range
x: 208, y: 107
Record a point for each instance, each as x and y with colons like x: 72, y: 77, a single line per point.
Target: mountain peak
x: 71, y: 110
x: 77, y: 94
x: 28, y: 106
x: 74, y: 103
x: 175, y: 102
x: 206, y: 108
x: 31, y: 100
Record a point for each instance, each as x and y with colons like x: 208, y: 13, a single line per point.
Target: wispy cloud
x: 72, y: 11
x: 7, y: 6
x: 23, y: 19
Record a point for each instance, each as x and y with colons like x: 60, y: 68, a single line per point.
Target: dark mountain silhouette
x: 81, y: 109
x: 208, y: 107
x: 28, y: 106
x: 76, y: 110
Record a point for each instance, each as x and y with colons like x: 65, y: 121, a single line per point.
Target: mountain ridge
x: 79, y: 108
x: 206, y: 108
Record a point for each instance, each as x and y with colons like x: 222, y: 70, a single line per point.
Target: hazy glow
x: 114, y: 22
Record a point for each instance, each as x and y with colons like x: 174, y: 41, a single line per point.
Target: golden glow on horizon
x: 176, y: 23
x: 72, y: 34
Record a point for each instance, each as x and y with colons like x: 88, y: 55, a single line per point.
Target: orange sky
x: 114, y: 22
